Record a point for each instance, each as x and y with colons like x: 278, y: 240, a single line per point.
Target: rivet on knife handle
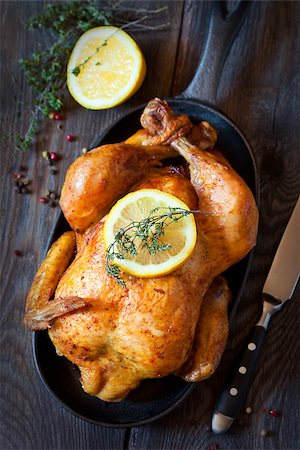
x: 234, y: 395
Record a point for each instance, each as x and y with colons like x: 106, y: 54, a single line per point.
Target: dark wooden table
x: 259, y: 89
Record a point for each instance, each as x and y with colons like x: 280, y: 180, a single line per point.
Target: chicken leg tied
x: 226, y: 200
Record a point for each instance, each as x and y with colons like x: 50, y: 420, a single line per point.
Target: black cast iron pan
x: 155, y: 398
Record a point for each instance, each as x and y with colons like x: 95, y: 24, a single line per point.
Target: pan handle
x: 224, y: 25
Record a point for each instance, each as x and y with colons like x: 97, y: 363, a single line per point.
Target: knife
x: 278, y: 288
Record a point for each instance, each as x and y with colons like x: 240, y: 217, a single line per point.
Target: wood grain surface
x: 259, y: 90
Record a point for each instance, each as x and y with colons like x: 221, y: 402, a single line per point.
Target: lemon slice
x: 105, y: 68
x: 180, y: 235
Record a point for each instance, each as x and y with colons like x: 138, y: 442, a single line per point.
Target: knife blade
x: 278, y: 288
x: 284, y: 273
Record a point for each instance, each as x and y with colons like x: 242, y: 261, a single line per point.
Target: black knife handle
x: 234, y: 395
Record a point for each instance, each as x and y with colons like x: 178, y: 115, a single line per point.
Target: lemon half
x: 105, y: 68
x: 181, y: 234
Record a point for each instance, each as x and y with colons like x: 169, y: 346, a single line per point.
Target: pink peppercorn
x: 274, y: 412
x: 214, y: 446
x: 53, y: 156
x: 44, y: 200
x: 58, y: 116
x: 70, y: 138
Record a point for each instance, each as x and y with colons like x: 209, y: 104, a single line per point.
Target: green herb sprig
x: 45, y: 71
x: 138, y: 235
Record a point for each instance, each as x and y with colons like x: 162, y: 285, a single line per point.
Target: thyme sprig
x: 143, y: 234
x: 45, y: 70
x: 76, y: 70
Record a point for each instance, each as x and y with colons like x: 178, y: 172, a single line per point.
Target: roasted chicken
x: 176, y: 323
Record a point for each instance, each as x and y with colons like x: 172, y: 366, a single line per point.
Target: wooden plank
x: 30, y: 418
x: 259, y: 89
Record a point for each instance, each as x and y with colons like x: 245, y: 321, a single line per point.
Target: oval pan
x: 155, y: 398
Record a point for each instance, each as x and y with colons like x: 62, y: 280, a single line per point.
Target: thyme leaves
x: 137, y: 235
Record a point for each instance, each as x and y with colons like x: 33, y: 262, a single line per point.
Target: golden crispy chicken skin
x: 211, y: 333
x: 39, y: 311
x: 172, y: 324
x: 97, y: 179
